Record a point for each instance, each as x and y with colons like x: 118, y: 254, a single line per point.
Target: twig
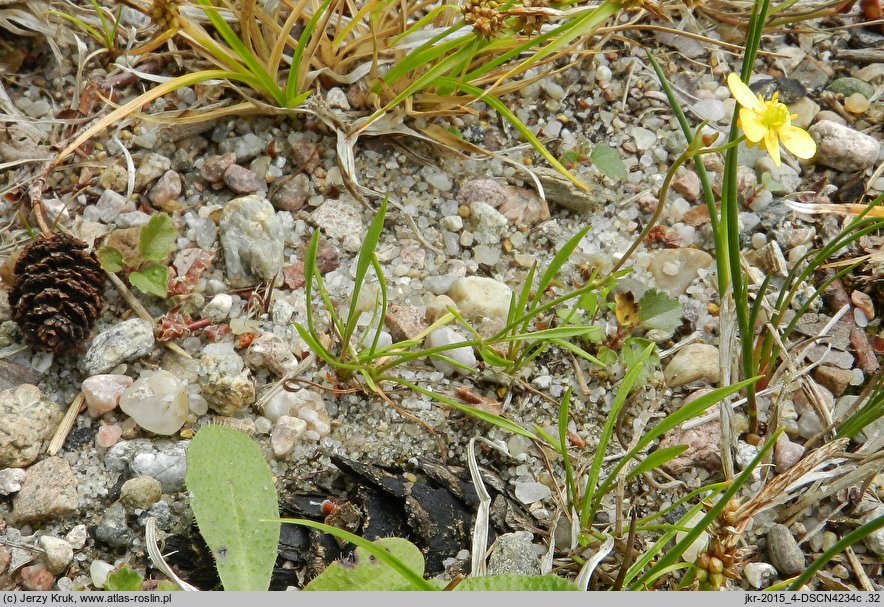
x: 67, y: 423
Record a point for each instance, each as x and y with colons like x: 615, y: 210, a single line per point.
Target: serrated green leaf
x: 123, y: 578
x: 657, y: 310
x: 512, y: 582
x: 234, y: 502
x: 111, y: 259
x: 152, y: 280
x: 608, y: 161
x: 367, y: 572
x: 158, y: 238
x: 656, y: 459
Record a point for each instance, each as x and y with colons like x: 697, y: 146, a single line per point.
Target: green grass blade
x: 309, y: 271
x: 382, y: 286
x: 629, y: 380
x: 294, y: 80
x: 656, y: 459
x: 366, y: 253
x: 570, y: 485
x: 415, y: 580
x: 560, y: 258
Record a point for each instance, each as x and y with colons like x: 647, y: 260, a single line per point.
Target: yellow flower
x: 769, y: 121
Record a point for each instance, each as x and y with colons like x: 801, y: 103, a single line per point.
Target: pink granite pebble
x: 103, y: 392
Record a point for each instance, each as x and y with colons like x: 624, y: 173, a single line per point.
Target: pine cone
x: 57, y: 293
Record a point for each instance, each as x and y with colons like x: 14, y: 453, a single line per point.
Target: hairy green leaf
x: 657, y: 310
x: 151, y: 279
x: 367, y: 572
x: 123, y: 579
x: 232, y: 491
x: 608, y: 161
x: 111, y: 259
x: 513, y: 582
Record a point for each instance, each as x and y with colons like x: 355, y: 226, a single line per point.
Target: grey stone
x: 285, y: 435
x: 485, y: 190
x: 842, y: 148
x: 703, y: 450
x: 513, y: 553
x: 214, y: 166
x: 875, y: 540
x: 48, y: 492
x: 675, y: 269
x: 246, y: 147
x: 529, y: 492
x: 252, y: 239
x: 292, y: 194
x: 691, y: 363
x: 166, y: 190
x: 488, y: 223
x: 241, y: 180
x: 786, y: 454
x: 339, y: 218
x: 27, y: 418
x: 270, y: 352
x: 784, y: 552
x: 113, y: 529
x: 141, y: 492
x: 126, y: 341
x: 160, y: 459
x: 110, y: 204
x: 785, y: 175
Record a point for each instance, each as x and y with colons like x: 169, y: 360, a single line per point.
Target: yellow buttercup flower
x: 771, y: 122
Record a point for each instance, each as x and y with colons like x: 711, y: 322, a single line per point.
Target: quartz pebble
x: 285, y: 435
x: 218, y: 308
x: 306, y: 405
x: 108, y: 436
x: 157, y: 401
x: 445, y: 336
x: 272, y: 353
x: 214, y: 166
x: 478, y: 297
x: 102, y: 392
x: 786, y: 454
x: 529, y: 492
x: 675, y: 269
x: 151, y: 168
x: 110, y: 204
x: 291, y: 195
x: 98, y: 572
x: 77, y: 536
x: 759, y: 574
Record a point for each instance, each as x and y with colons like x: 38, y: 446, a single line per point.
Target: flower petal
x: 752, y: 126
x: 743, y: 94
x: 798, y: 141
x: 772, y: 143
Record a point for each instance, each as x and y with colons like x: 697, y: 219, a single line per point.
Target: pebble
x: 218, y: 308
x: 126, y: 341
x: 37, y: 577
x: 833, y: 378
x: 10, y: 480
x: 292, y: 194
x: 77, y: 536
x: 165, y: 191
x: 785, y: 175
x: 760, y: 574
x: 114, y: 177
x: 856, y: 104
x: 523, y: 206
x: 784, y: 552
x: 691, y: 363
x: 214, y: 166
x: 141, y: 492
x: 337, y: 98
x: 513, y: 553
x: 875, y: 540
x: 57, y: 553
x: 306, y: 405
x: 272, y: 353
x: 489, y: 191
x: 444, y: 336
x: 245, y: 148
x: 842, y: 148
x: 102, y: 392
x: 806, y: 110
x: 848, y: 86
x: 252, y: 239
x: 110, y: 204
x: 108, y: 436
x: 98, y: 572
x: 151, y: 168
x: 241, y: 180
x: 285, y: 435
x: 529, y: 492
x: 703, y: 450
x: 228, y: 395
x: 27, y: 418
x: 49, y: 491
x: 488, y: 223
x: 157, y: 401
x: 438, y: 307
x: 675, y: 269
x: 404, y: 322
x: 786, y: 454
x: 643, y: 137
x: 478, y: 297
x: 339, y: 218
x: 688, y: 185
x: 162, y: 460
x: 112, y: 528
x: 699, y: 544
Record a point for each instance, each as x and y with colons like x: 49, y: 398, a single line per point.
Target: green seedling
x: 104, y: 32
x: 146, y: 270
x: 233, y: 499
